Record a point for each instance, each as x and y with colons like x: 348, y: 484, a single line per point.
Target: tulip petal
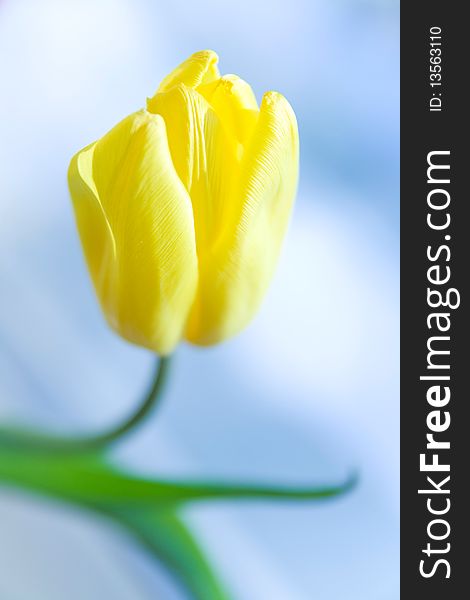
x: 135, y: 220
x: 200, y: 68
x: 94, y: 228
x: 234, y: 277
x: 205, y: 158
x: 235, y: 104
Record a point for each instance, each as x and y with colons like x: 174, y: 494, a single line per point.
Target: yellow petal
x: 235, y: 104
x: 95, y: 231
x: 205, y: 158
x: 199, y: 68
x: 234, y: 277
x: 135, y: 221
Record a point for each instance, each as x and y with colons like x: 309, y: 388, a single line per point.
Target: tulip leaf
x: 145, y: 507
x: 165, y: 536
x: 91, y: 479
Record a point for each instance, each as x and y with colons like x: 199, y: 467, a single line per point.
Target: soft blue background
x: 307, y: 392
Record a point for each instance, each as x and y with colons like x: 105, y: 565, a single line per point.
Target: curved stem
x: 148, y: 404
x: 44, y: 442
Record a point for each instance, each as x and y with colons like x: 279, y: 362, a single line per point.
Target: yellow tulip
x: 182, y: 207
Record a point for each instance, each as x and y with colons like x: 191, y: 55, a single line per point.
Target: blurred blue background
x: 307, y: 392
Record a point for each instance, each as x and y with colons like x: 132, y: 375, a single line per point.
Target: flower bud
x: 182, y: 207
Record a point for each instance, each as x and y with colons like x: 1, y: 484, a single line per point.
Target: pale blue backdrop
x: 309, y: 391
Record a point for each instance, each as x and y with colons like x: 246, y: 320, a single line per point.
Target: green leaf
x: 90, y: 479
x: 145, y: 507
x: 168, y: 540
x: 93, y: 485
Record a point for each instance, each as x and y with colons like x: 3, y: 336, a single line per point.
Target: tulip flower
x: 182, y: 207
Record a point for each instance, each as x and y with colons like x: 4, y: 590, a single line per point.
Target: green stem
x: 150, y: 400
x: 32, y: 440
